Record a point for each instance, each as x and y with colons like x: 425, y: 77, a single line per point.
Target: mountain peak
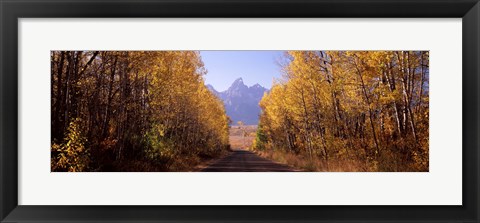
x: 237, y: 85
x: 257, y: 86
x: 238, y: 81
x: 241, y: 101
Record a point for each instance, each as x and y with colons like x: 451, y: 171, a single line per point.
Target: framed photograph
x: 228, y: 111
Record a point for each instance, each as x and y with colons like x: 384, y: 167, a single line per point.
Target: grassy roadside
x: 305, y: 164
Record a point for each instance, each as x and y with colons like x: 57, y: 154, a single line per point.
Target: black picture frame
x: 11, y: 11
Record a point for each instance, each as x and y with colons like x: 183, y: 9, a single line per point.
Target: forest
x: 151, y: 111
x: 133, y: 111
x: 348, y: 111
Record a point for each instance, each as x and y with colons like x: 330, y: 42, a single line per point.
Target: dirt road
x: 245, y: 161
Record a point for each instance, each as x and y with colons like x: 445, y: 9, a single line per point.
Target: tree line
x: 133, y: 111
x: 350, y: 110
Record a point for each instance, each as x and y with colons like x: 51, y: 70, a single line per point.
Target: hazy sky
x: 253, y: 67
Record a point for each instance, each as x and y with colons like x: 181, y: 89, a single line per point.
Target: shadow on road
x: 245, y: 161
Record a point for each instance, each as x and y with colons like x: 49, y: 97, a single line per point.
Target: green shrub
x: 159, y: 148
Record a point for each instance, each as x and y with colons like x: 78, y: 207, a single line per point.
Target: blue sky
x: 253, y: 67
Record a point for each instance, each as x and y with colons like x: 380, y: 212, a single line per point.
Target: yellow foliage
x: 352, y: 106
x: 72, y: 156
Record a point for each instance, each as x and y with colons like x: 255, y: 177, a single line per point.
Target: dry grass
x: 176, y: 164
x: 304, y: 163
x: 237, y: 138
